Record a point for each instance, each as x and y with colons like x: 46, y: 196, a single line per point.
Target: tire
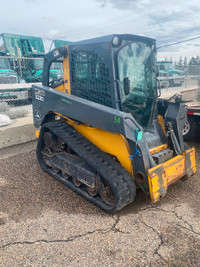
x: 191, y: 129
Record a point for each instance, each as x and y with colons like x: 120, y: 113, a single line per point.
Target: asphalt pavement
x: 43, y: 223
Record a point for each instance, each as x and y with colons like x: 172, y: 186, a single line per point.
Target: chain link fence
x: 16, y: 78
x: 17, y: 74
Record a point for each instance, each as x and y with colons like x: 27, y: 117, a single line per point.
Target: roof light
x: 115, y: 40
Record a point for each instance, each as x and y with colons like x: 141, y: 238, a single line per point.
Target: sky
x: 73, y: 20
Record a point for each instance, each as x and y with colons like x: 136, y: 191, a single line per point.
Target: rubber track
x: 118, y: 178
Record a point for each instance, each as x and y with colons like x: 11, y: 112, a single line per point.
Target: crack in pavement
x: 175, y: 213
x: 150, y: 206
x: 160, y: 243
x: 117, y: 220
x: 72, y: 238
x: 191, y: 229
x: 181, y: 219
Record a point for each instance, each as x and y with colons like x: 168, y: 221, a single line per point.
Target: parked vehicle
x: 168, y: 75
x: 27, y: 54
x: 12, y: 86
x: 191, y: 129
x: 58, y: 43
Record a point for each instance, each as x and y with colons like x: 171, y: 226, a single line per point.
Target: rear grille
x: 8, y: 79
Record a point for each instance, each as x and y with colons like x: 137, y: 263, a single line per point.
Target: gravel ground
x: 43, y: 223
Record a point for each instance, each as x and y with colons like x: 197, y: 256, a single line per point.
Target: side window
x: 90, y: 77
x: 56, y: 75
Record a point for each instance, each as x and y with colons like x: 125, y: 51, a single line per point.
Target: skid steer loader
x: 102, y: 129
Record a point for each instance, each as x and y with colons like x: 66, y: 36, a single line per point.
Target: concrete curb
x: 19, y: 132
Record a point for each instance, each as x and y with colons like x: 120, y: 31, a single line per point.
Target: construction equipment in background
x: 22, y: 46
x: 169, y: 75
x: 12, y: 87
x: 58, y: 43
x: 27, y: 54
x: 103, y: 130
x: 7, y: 75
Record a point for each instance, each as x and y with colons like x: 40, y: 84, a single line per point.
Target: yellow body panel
x: 37, y: 133
x: 114, y: 144
x: 158, y: 148
x: 60, y: 88
x: 162, y: 123
x: 161, y: 176
x: 66, y: 73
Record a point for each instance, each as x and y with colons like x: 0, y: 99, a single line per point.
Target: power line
x: 166, y: 19
x: 178, y: 38
x: 184, y: 41
x: 123, y: 18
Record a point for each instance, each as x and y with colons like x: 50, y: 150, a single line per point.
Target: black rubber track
x: 120, y: 181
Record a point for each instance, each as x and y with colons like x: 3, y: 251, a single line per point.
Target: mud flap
x: 161, y: 176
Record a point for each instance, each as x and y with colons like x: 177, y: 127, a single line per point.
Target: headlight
x: 115, y: 40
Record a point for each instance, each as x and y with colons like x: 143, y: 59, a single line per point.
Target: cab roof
x: 109, y: 38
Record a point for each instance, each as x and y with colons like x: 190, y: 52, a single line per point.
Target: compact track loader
x: 103, y: 130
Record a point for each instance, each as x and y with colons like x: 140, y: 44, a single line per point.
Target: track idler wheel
x: 105, y: 192
x: 49, y: 139
x: 53, y: 142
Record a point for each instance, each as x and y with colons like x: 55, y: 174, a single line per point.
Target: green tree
x: 193, y: 68
x: 180, y: 64
x: 185, y: 65
x: 185, y: 62
x: 198, y: 60
x: 193, y: 61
